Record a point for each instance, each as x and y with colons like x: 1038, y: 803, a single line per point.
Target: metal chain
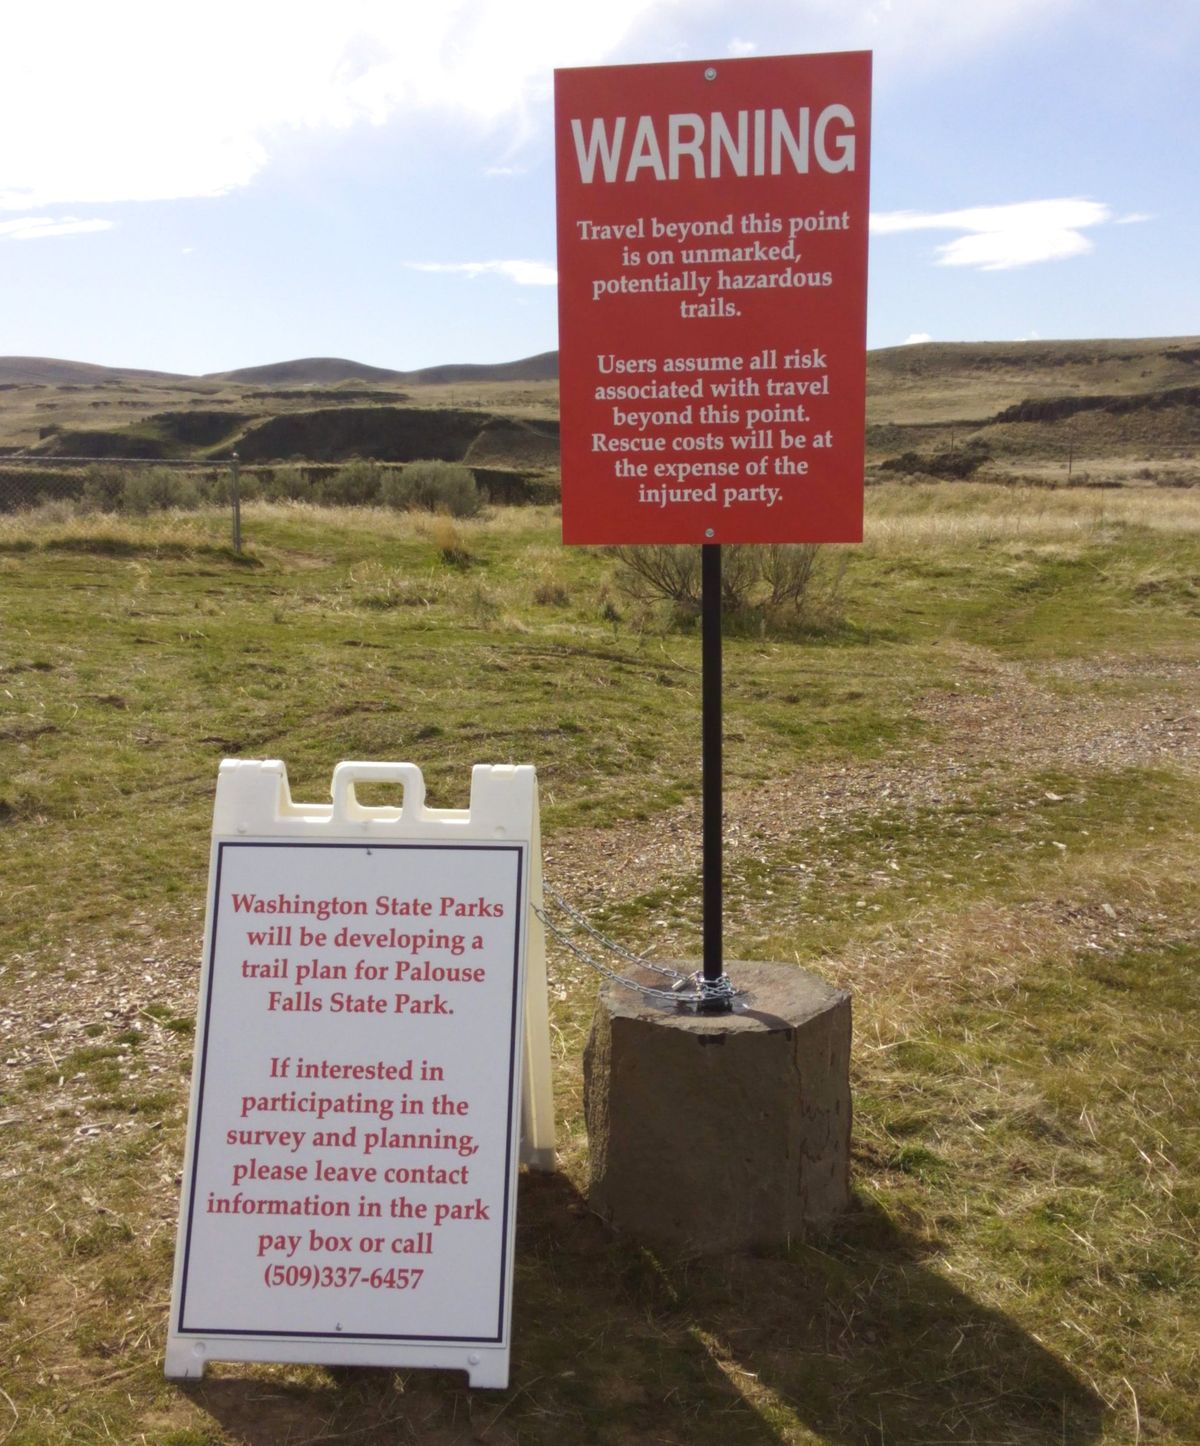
x: 701, y: 990
x: 610, y: 945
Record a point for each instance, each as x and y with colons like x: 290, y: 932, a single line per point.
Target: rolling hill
x: 319, y: 371
x: 1031, y: 409
x: 48, y: 371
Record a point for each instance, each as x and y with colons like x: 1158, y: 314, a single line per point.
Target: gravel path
x: 1095, y: 714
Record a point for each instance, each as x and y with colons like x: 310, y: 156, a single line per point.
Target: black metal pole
x: 715, y: 988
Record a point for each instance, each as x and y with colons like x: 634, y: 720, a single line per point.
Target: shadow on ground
x: 854, y: 1341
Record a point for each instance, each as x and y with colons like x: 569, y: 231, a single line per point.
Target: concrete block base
x: 728, y: 1132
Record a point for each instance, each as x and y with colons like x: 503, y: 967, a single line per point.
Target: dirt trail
x: 1064, y: 716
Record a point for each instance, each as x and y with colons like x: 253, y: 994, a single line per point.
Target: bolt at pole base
x: 716, y: 995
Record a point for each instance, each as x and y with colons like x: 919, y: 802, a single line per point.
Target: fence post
x: 236, y: 500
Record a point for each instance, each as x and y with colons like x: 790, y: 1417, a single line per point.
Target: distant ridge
x: 540, y: 368
x: 326, y: 370
x: 313, y: 370
x: 303, y: 372
x: 931, y: 357
x: 1077, y: 359
x: 48, y: 371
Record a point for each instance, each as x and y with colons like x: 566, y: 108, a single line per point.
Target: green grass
x: 969, y: 796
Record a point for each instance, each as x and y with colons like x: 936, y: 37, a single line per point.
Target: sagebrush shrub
x: 288, y: 483
x: 150, y: 489
x: 433, y: 487
x: 773, y: 582
x: 354, y: 485
x: 103, y: 487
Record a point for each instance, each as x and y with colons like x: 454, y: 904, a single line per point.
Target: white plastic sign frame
x: 372, y: 1061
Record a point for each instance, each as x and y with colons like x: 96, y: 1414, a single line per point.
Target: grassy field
x: 964, y: 787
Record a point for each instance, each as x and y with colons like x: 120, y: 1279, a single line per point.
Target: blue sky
x: 196, y: 188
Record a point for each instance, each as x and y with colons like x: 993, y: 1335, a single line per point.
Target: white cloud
x: 139, y: 100
x: 142, y: 100
x: 524, y: 273
x: 999, y: 238
x: 915, y: 338
x: 33, y: 228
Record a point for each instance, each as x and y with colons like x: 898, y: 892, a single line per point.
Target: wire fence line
x: 31, y: 481
x: 139, y: 484
x: 122, y: 484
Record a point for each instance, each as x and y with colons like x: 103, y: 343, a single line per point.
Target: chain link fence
x: 112, y: 484
x: 120, y: 484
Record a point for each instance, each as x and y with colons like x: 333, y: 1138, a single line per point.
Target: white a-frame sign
x: 372, y: 1061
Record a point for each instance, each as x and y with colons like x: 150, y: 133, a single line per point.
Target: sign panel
x: 350, y: 1187
x: 712, y: 248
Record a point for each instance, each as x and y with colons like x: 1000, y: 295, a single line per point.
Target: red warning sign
x: 712, y: 252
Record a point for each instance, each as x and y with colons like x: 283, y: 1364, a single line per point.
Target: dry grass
x: 58, y: 524
x: 975, y: 806
x: 944, y: 516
